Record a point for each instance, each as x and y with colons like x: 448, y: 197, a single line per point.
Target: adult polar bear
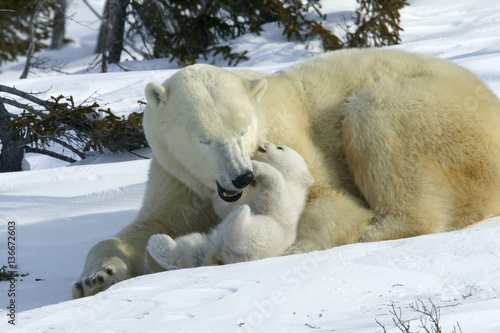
x: 399, y: 145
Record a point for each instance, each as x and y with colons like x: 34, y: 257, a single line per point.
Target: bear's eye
x: 205, y: 141
x: 280, y: 148
x: 243, y: 132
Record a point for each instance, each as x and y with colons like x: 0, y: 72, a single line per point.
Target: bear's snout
x: 243, y: 180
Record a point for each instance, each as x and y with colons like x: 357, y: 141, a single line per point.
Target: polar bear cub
x: 261, y: 224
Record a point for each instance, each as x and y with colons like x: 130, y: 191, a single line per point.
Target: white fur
x: 261, y: 224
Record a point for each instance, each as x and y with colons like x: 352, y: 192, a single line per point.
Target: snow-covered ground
x: 61, y: 212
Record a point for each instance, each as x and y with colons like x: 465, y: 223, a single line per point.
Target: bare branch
x: 382, y: 326
x: 26, y: 107
x: 402, y: 325
x: 64, y: 144
x: 68, y: 146
x: 433, y: 314
x: 25, y: 95
x: 93, y: 10
x: 29, y: 149
x: 31, y: 39
x: 429, y: 317
x: 138, y: 155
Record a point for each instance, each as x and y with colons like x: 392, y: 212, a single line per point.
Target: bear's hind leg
x: 389, y: 143
x: 329, y: 219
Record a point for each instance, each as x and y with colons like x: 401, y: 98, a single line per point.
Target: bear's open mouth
x: 227, y: 195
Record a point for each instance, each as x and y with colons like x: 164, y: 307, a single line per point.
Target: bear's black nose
x: 243, y: 180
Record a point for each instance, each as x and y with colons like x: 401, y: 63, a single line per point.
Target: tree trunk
x: 103, y: 30
x: 110, y: 40
x: 58, y: 27
x: 12, y: 153
x: 118, y: 18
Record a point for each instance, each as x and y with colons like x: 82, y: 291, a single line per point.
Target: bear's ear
x: 156, y: 94
x: 258, y: 88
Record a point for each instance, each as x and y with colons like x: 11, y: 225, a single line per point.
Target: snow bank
x: 61, y: 212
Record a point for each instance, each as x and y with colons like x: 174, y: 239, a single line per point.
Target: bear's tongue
x: 227, y: 195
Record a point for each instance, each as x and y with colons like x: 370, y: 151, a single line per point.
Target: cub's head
x: 290, y: 163
x: 295, y: 174
x: 203, y: 125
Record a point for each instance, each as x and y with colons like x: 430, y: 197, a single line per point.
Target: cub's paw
x: 162, y: 248
x: 100, y: 280
x: 260, y: 168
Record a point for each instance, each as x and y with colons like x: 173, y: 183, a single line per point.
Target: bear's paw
x: 110, y: 273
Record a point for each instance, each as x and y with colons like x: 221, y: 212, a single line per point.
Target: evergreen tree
x: 376, y: 23
x: 81, y: 129
x: 14, y: 27
x: 186, y: 30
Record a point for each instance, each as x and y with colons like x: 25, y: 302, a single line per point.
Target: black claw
x: 109, y: 271
x: 79, y: 286
x: 94, y: 280
x: 100, y: 278
x: 87, y: 282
